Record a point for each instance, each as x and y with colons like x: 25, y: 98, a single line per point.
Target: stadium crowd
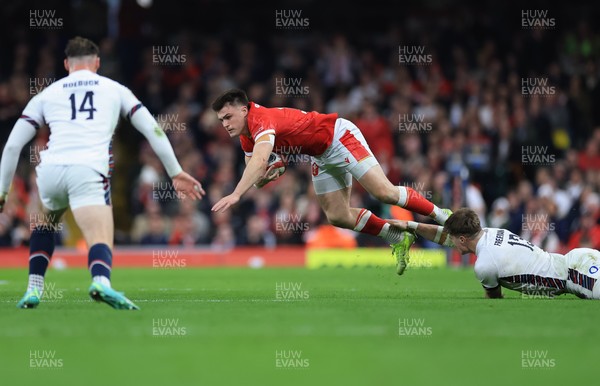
x: 457, y: 125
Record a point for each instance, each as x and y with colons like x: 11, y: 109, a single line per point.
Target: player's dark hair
x: 463, y: 222
x: 79, y: 46
x: 234, y: 96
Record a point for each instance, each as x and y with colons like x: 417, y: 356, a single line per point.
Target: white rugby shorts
x: 348, y: 156
x: 75, y: 186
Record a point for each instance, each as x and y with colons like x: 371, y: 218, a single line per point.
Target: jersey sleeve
x: 33, y: 112
x: 247, y: 145
x: 486, y: 271
x: 129, y: 103
x: 261, y: 124
x: 262, y: 130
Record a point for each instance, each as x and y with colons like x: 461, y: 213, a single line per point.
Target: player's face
x: 233, y: 118
x: 460, y: 242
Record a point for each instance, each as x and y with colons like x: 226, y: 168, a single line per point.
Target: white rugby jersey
x: 505, y: 259
x: 82, y: 111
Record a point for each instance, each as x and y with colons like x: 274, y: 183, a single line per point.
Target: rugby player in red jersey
x: 338, y: 152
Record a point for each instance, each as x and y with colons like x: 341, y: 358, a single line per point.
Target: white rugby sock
x: 390, y: 234
x: 36, y: 281
x: 102, y: 280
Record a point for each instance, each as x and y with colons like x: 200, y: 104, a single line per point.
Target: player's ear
x: 244, y: 110
x: 97, y: 63
x: 66, y: 64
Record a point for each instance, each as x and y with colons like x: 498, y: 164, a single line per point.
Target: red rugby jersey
x: 296, y: 131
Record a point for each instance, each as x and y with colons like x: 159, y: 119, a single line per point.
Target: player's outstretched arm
x: 253, y: 173
x: 21, y: 133
x: 430, y: 232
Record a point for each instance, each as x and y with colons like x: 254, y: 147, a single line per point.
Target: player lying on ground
x: 82, y: 111
x: 338, y: 152
x: 506, y: 260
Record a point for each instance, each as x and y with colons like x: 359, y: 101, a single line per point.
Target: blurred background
x: 476, y: 104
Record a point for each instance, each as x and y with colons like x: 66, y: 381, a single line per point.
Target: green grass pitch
x: 344, y: 327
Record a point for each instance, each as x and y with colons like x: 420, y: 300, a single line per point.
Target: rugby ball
x: 276, y: 160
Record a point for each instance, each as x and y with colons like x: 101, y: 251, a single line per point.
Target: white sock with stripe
x: 102, y: 280
x: 37, y: 282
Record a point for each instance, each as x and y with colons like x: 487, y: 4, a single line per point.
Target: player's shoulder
x: 486, y: 253
x: 50, y: 91
x: 257, y: 110
x: 108, y: 82
x: 491, y: 237
x: 259, y: 114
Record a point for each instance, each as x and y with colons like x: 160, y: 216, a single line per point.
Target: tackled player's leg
x: 379, y: 186
x: 333, y: 187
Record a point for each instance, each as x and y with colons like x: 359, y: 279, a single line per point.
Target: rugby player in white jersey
x: 82, y: 111
x: 506, y: 260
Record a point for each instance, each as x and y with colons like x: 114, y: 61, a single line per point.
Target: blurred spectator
x: 150, y: 223
x: 499, y: 217
x: 587, y: 234
x: 257, y: 233
x: 378, y: 133
x: 156, y: 233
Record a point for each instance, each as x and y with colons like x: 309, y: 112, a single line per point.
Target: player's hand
x: 400, y: 224
x: 226, y: 202
x: 271, y: 174
x: 188, y: 185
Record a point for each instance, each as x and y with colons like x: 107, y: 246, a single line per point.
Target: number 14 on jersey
x: 87, y: 99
